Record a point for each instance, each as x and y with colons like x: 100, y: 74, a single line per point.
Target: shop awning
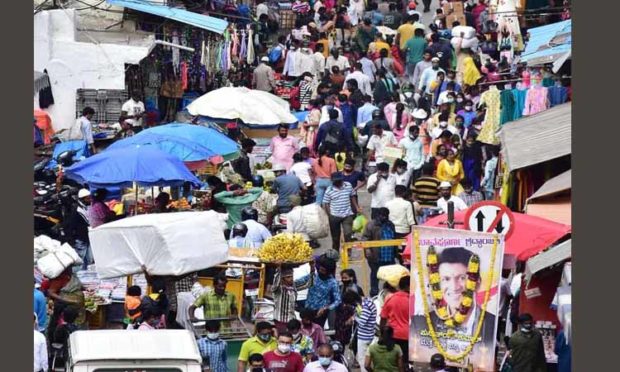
x: 538, y: 138
x: 548, y: 36
x: 557, y: 209
x: 548, y: 258
x: 213, y: 24
x: 553, y: 186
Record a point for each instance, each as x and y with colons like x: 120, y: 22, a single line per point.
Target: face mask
x: 284, y: 348
x: 459, y: 100
x: 435, y: 68
x: 467, y: 108
x: 213, y: 336
x: 450, y: 100
x: 408, y: 94
x: 346, y: 283
x: 264, y: 337
x: 297, y: 335
x: 413, y: 137
x: 525, y: 330
x: 400, y: 170
x: 325, y: 361
x: 384, y: 176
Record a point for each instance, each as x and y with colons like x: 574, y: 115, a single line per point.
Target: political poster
x: 455, y: 283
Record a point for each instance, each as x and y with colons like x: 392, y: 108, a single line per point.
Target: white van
x: 133, y: 351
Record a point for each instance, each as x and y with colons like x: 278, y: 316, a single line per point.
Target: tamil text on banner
x: 456, y: 279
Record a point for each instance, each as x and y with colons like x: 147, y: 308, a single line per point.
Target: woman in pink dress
x: 400, y: 121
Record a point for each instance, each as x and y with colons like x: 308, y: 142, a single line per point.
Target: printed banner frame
x: 454, y: 271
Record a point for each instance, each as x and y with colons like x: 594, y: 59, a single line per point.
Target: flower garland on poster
x: 473, y: 272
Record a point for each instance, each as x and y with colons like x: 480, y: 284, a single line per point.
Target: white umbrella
x: 254, y: 107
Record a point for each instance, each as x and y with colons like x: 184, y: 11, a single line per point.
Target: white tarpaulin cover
x: 253, y: 107
x: 166, y: 244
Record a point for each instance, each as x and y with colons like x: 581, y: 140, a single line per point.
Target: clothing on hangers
x: 536, y: 100
x: 491, y: 98
x: 507, y: 102
x: 518, y: 94
x: 557, y: 95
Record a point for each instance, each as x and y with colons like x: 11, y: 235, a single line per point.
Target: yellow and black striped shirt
x: 426, y: 192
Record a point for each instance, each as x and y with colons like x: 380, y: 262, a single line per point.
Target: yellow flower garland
x: 472, y: 342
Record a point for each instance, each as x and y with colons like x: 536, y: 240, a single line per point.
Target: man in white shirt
x: 319, y: 61
x: 413, y: 150
x: 445, y: 196
x: 381, y: 187
x: 401, y: 212
x: 295, y: 218
x: 83, y: 129
x: 257, y: 232
x: 368, y: 68
x: 133, y: 111
x: 428, y: 76
x: 41, y: 363
x: 377, y: 143
x: 305, y: 61
x: 363, y: 82
x: 356, y: 11
x: 335, y: 59
x: 290, y: 64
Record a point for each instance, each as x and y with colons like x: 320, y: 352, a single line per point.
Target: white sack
x: 166, y: 244
x: 316, y: 221
x: 469, y: 31
x: 471, y: 43
x: 57, y: 260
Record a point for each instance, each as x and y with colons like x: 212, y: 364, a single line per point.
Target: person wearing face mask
x: 326, y: 361
x: 292, y: 63
x: 527, y: 352
x: 150, y: 320
x: 283, y: 359
x: 413, y: 152
x: 467, y: 113
x: 324, y: 294
x: 302, y: 344
x: 262, y: 342
x: 335, y: 59
x: 444, y: 114
x: 460, y: 102
x: 445, y: 92
x: 212, y: 348
x: 381, y: 187
x: 379, y: 228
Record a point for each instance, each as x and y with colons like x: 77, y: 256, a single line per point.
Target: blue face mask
x: 325, y: 361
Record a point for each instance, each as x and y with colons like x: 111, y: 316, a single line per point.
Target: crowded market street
x: 302, y: 186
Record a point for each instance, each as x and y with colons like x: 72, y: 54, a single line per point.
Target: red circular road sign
x: 490, y: 216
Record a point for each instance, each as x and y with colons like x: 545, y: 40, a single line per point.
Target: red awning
x: 531, y: 234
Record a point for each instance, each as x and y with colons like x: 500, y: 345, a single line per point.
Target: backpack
x: 275, y: 54
x: 333, y: 134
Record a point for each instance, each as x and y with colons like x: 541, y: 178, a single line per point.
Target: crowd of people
x: 401, y: 110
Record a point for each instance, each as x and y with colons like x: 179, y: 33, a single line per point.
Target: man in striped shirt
x: 426, y: 192
x: 366, y: 319
x: 338, y: 202
x: 285, y: 295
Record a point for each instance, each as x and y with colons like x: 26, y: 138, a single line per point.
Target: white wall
x: 72, y: 64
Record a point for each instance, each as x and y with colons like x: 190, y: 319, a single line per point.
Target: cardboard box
x: 453, y: 7
x: 455, y: 17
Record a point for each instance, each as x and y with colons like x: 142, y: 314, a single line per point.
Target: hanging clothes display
x: 536, y: 100
x: 507, y: 105
x: 46, y: 98
x: 518, y: 94
x: 490, y: 98
x: 557, y: 95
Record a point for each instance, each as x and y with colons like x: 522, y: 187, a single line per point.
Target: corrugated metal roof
x: 541, y: 37
x: 554, y: 185
x: 537, y: 138
x: 548, y: 258
x: 180, y: 15
x: 546, y: 55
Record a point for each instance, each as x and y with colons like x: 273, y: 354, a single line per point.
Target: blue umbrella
x: 205, y: 136
x: 143, y: 165
x: 182, y: 148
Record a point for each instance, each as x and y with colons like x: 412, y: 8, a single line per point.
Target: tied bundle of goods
x: 285, y: 248
x: 52, y: 258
